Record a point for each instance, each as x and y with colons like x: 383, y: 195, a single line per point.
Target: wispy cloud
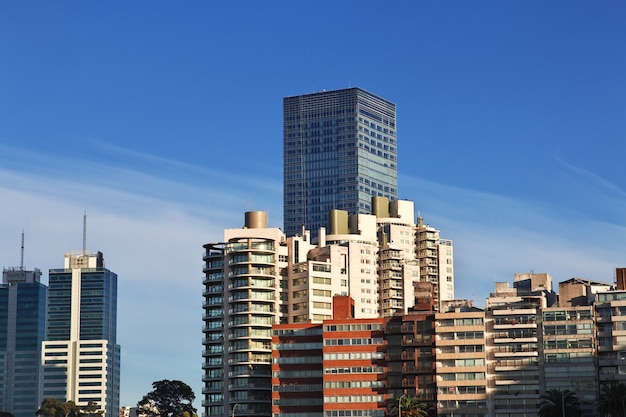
x: 590, y: 177
x: 150, y: 228
x: 497, y: 236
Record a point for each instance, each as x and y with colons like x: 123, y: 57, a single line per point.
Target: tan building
x: 580, y: 291
x: 461, y: 369
x: 568, y: 353
x: 610, y: 307
x: 513, y: 340
x: 436, y: 261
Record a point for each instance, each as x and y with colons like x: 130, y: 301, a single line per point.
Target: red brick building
x: 334, y: 369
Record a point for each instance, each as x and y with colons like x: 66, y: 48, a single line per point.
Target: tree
x: 557, y: 403
x: 5, y: 414
x: 409, y: 407
x: 51, y: 407
x: 168, y: 399
x: 92, y: 409
x: 611, y: 400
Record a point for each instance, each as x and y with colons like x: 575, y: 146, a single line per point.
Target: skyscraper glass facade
x: 339, y: 150
x: 22, y: 325
x: 98, y: 304
x: 81, y: 358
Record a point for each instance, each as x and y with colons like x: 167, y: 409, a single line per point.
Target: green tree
x: 92, y: 409
x: 409, y: 407
x: 51, y: 407
x: 168, y: 399
x: 557, y: 403
x: 5, y: 414
x: 611, y: 400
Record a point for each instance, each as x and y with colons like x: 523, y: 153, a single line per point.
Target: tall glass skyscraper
x: 22, y: 326
x: 339, y: 150
x: 81, y: 357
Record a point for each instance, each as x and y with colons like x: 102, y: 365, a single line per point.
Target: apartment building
x: 354, y: 368
x: 461, y: 364
x: 513, y: 339
x: 411, y: 356
x: 436, y: 261
x: 242, y: 292
x: 568, y: 353
x: 332, y: 369
x: 297, y: 371
x: 610, y: 309
x: 257, y: 277
x: 465, y: 361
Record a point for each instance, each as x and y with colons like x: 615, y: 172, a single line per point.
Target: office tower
x: 22, y: 326
x: 81, y: 357
x: 339, y: 150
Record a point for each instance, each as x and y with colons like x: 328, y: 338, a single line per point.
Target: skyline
x: 163, y: 123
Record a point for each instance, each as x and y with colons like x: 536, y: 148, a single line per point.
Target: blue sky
x: 162, y: 120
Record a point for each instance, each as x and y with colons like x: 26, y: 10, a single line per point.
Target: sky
x: 163, y: 122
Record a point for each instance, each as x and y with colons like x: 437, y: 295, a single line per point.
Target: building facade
x: 339, y: 150
x: 334, y: 369
x: 569, y: 356
x: 461, y: 360
x: 258, y: 277
x: 297, y: 375
x: 610, y: 307
x: 461, y: 368
x: 81, y: 357
x: 354, y: 368
x: 22, y: 328
x: 242, y: 293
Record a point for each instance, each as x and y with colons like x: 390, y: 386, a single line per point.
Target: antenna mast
x: 85, y: 233
x: 22, y: 256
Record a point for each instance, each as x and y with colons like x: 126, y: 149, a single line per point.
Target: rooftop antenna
x: 22, y: 256
x: 85, y: 233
